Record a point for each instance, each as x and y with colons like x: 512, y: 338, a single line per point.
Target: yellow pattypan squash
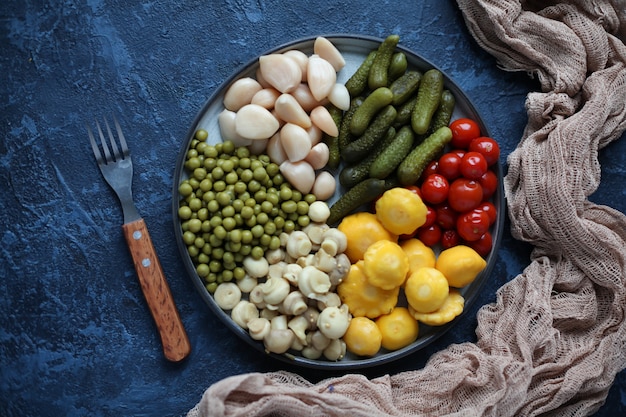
x: 363, y: 337
x: 364, y: 299
x: 451, y: 307
x: 460, y: 265
x: 401, y: 211
x: 398, y: 328
x: 418, y: 253
x: 361, y: 230
x: 426, y: 289
x: 385, y: 264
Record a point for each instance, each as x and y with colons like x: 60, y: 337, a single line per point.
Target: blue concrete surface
x: 76, y: 337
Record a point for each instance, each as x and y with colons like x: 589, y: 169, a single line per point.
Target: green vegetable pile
x: 234, y: 204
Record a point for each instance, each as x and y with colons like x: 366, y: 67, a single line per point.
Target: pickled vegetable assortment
x: 303, y: 272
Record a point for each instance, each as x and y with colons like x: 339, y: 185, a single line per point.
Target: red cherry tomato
x: 472, y: 225
x: 460, y: 152
x: 483, y: 245
x: 491, y: 211
x: 431, y: 168
x: 463, y: 131
x: 431, y: 217
x: 449, y: 165
x: 488, y: 147
x: 473, y: 165
x: 446, y: 216
x: 489, y: 182
x: 435, y: 189
x: 465, y: 194
x: 450, y: 238
x: 415, y: 189
x: 429, y: 236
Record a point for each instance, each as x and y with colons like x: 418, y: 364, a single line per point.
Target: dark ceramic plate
x: 354, y: 50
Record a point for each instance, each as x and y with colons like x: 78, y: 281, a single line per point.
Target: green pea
x: 203, y: 214
x: 260, y: 174
x: 270, y: 227
x: 185, y: 189
x: 203, y: 258
x: 266, y: 207
x: 274, y: 243
x: 228, y: 211
x: 286, y: 193
x: 304, y: 221
x: 279, y: 222
x: 206, y: 226
x: 235, y: 235
x: 195, y: 225
x: 201, y: 134
x: 234, y: 247
x: 212, y: 277
x: 192, y: 251
x: 209, y: 163
x: 195, y: 204
x: 219, y: 186
x: 193, y: 163
x: 262, y: 218
x: 229, y: 223
x: 257, y: 252
x: 240, y: 187
x: 202, y: 270
x: 260, y: 196
x: 246, y: 236
x: 247, y: 212
x: 239, y: 272
x: 290, y: 226
x: 231, y: 178
x: 254, y: 186
x: 220, y: 232
x: 228, y: 147
x: 245, y: 250
x: 265, y: 240
x: 215, y: 266
x: 302, y: 207
x: 198, y: 242
x: 215, y: 242
x: 246, y: 175
x: 217, y: 173
x: 211, y: 287
x: 217, y: 253
x: 188, y: 238
x: 310, y: 198
x: 289, y: 206
x: 184, y: 212
x: 213, y: 206
x: 257, y: 231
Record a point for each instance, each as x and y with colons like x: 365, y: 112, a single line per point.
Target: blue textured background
x: 76, y: 337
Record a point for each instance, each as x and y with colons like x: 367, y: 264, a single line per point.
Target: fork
x: 117, y: 168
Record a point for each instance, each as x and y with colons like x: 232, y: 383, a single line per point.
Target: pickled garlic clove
x: 255, y: 122
x: 295, y: 141
x: 300, y: 174
x: 226, y: 122
x: 340, y: 96
x: 325, y: 49
x: 266, y: 97
x: 280, y: 71
x: 320, y: 116
x: 240, y: 93
x: 321, y: 77
x: 288, y: 109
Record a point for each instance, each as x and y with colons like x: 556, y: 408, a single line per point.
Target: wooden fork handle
x: 157, y: 292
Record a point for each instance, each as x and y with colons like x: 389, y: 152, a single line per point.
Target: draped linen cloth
x: 554, y: 339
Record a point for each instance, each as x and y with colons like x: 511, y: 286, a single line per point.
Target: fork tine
x: 94, y: 145
x: 120, y: 134
x: 105, y: 148
x: 116, y: 152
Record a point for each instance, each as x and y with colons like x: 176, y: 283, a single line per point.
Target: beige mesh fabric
x: 554, y: 339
